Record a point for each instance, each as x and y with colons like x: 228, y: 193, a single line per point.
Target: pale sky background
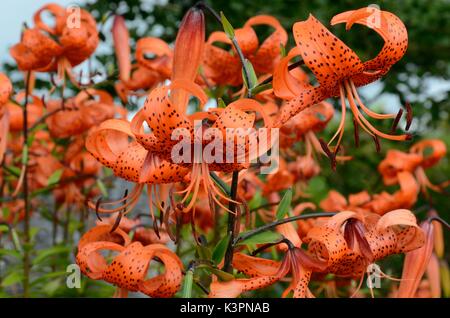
x: 14, y: 13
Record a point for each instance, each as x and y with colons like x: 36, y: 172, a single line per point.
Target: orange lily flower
x: 141, y: 234
x: 265, y: 272
x: 59, y: 47
x: 5, y: 92
x: 35, y: 109
x: 338, y: 69
x: 89, y: 108
x: 264, y: 57
x: 363, y: 239
x: 414, y: 162
x: 128, y: 270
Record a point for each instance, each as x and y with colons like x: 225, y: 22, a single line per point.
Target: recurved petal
x: 388, y: 26
x: 326, y: 56
x: 416, y: 263
x: 285, y: 84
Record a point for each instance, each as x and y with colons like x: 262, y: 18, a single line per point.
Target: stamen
x: 329, y: 154
x: 356, y: 132
x: 409, y: 115
x: 367, y: 110
x: 377, y: 143
x: 371, y: 129
x: 396, y: 120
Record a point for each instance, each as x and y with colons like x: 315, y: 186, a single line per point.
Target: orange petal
x: 121, y: 40
x: 327, y: 57
x: 415, y: 264
x: 388, y: 26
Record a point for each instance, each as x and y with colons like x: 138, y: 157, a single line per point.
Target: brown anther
x: 377, y: 143
x: 330, y: 155
x: 356, y: 132
x: 396, y: 120
x: 97, y: 205
x: 409, y: 115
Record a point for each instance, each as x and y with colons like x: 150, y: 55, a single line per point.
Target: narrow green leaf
x: 45, y: 254
x: 12, y: 253
x: 285, y: 204
x: 16, y: 240
x: 4, y: 228
x: 204, y: 252
x: 224, y: 276
x: 55, y: 176
x: 262, y: 238
x: 12, y: 279
x: 282, y: 50
x: 227, y: 27
x: 101, y: 186
x: 248, y: 68
x: 220, y: 249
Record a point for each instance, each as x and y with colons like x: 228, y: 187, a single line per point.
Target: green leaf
x: 12, y: 279
x: 224, y: 276
x: 282, y: 50
x: 220, y: 249
x: 52, y: 286
x: 187, y: 284
x: 251, y: 74
x: 55, y: 176
x: 204, y: 252
x: 227, y: 27
x: 285, y: 204
x: 102, y: 188
x: 221, y: 103
x: 12, y: 253
x: 16, y: 240
x: 4, y: 228
x: 262, y: 238
x: 45, y: 254
x: 256, y: 201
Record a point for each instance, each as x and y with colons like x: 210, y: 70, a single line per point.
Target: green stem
x: 270, y: 226
x: 231, y: 228
x: 26, y: 255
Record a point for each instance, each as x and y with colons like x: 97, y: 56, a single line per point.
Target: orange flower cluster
x: 64, y: 142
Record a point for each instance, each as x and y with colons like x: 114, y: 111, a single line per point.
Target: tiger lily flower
x: 60, y: 47
x: 146, y: 73
x: 142, y: 234
x: 308, y: 122
x: 263, y: 273
x: 263, y: 56
x: 5, y: 92
x: 339, y: 70
x: 128, y: 269
x: 414, y: 162
x: 349, y: 241
x: 77, y: 114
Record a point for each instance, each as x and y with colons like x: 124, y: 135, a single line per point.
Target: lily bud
x: 188, y: 52
x: 415, y: 264
x: 121, y: 40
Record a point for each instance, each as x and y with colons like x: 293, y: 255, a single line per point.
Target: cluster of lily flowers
x: 266, y: 89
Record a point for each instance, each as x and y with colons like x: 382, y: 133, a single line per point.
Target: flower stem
x: 231, y: 229
x: 26, y: 255
x: 270, y: 226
